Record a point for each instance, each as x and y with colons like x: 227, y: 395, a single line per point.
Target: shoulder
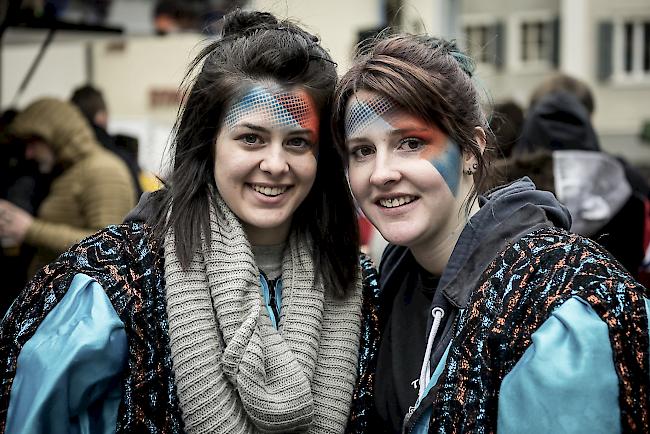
x: 369, y: 278
x: 554, y: 250
x: 101, y: 162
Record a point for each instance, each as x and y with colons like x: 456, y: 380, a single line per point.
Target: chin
x: 399, y: 236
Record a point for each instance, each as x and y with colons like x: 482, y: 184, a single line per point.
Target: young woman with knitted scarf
x: 494, y: 318
x: 239, y: 306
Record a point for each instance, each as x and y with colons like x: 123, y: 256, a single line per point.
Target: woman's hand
x: 14, y: 222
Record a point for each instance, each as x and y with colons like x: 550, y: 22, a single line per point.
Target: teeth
x: 270, y: 191
x: 396, y: 201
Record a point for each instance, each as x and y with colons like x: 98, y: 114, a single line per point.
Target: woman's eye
x: 361, y: 152
x: 410, y: 144
x: 298, y: 142
x: 250, y: 139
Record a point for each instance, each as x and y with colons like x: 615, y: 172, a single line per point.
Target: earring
x: 472, y: 170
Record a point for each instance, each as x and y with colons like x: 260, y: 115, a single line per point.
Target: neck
x: 433, y: 254
x: 267, y: 236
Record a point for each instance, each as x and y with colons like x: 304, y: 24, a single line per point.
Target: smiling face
x: 405, y: 173
x: 265, y: 159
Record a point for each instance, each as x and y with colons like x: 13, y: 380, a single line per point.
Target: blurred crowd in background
x: 67, y: 168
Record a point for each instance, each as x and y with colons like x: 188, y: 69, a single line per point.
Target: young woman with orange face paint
x: 493, y: 318
x: 236, y: 301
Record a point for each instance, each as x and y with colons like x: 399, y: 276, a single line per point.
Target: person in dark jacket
x: 560, y: 151
x: 494, y: 318
x: 93, y: 106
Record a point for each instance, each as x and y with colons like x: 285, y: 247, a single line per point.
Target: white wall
x: 128, y: 71
x: 61, y: 69
x: 335, y: 21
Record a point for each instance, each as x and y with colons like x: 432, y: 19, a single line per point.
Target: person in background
x: 559, y: 150
x: 241, y: 303
x: 494, y: 318
x: 23, y: 185
x: 91, y: 188
x: 93, y: 106
x: 506, y: 122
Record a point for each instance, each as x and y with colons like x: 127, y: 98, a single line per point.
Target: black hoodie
x: 559, y: 150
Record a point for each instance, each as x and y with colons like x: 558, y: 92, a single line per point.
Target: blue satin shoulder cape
x: 68, y: 374
x: 565, y: 382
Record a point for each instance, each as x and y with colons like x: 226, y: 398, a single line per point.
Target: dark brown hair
x: 255, y: 47
x: 562, y: 82
x: 427, y: 77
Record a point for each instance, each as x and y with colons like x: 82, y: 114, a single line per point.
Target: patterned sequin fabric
x: 516, y: 294
x: 128, y: 264
x: 363, y: 400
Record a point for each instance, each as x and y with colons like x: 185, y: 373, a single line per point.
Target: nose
x: 384, y: 171
x: 274, y: 161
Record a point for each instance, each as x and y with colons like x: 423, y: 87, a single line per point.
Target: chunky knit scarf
x: 234, y: 372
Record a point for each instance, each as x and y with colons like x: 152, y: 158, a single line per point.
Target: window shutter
x: 555, y: 42
x: 605, y: 50
x: 499, y: 37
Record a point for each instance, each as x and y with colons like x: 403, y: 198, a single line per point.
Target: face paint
x: 441, y: 152
x: 361, y: 114
x: 293, y: 109
x: 447, y: 162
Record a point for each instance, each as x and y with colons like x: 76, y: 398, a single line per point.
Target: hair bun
x: 239, y: 22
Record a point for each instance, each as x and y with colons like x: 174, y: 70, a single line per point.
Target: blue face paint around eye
x: 448, y: 165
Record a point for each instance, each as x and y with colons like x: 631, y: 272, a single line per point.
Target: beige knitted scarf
x: 234, y: 372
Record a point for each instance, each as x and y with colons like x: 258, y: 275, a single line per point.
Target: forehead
x: 278, y: 107
x: 363, y: 109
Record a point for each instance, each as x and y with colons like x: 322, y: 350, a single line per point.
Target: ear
x: 470, y: 164
x: 481, y: 138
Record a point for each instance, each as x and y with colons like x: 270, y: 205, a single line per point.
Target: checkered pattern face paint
x: 285, y: 109
x: 362, y: 114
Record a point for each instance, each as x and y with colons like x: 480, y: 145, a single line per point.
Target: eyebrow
x: 392, y: 132
x: 268, y: 130
x: 398, y: 131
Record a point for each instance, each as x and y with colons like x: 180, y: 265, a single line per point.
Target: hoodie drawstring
x: 425, y: 371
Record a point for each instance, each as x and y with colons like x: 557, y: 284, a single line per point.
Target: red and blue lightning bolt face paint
x: 282, y: 109
x: 380, y: 114
x: 404, y: 172
x: 447, y: 160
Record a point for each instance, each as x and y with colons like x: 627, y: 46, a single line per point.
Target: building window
x: 624, y: 49
x: 537, y: 41
x: 636, y: 47
x: 477, y: 38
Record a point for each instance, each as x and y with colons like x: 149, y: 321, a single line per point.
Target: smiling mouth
x: 269, y: 191
x: 396, y: 201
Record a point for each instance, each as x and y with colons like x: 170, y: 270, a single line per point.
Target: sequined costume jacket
x: 546, y: 332
x: 128, y: 265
